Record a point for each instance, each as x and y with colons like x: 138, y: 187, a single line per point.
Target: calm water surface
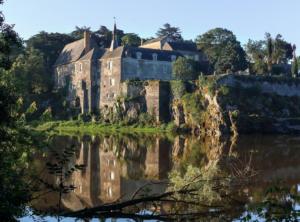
x: 115, y: 167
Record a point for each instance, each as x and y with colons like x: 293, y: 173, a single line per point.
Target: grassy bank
x: 75, y: 127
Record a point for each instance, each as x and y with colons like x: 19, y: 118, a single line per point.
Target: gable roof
x: 158, y: 39
x: 183, y: 46
x: 74, y: 51
x: 71, y: 53
x: 117, y: 53
x: 93, y: 54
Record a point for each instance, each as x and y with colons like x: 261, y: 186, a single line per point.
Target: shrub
x: 146, y: 119
x: 178, y: 88
x: 47, y: 115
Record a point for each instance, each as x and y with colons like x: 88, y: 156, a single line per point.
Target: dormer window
x: 139, y: 55
x: 154, y: 56
x: 173, y: 58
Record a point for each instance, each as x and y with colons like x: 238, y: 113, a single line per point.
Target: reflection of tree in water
x: 209, y: 180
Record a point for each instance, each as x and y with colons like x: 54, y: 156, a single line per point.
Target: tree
x: 184, y: 69
x: 223, y: 50
x: 295, y: 68
x: 131, y: 39
x: 256, y: 53
x: 269, y: 55
x: 29, y: 73
x: 170, y: 31
x: 78, y: 32
x: 9, y: 42
x: 283, y: 51
x: 50, y: 45
x: 103, y: 36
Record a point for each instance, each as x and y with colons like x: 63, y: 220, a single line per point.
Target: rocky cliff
x: 240, y: 104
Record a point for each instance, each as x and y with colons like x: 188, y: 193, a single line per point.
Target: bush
x: 178, y: 88
x: 146, y: 119
x: 47, y: 115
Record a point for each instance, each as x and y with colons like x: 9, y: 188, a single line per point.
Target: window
x: 80, y: 67
x: 109, y: 65
x: 139, y: 55
x: 111, y: 82
x: 173, y: 58
x: 109, y: 192
x: 154, y: 56
x: 112, y: 175
x: 196, y: 57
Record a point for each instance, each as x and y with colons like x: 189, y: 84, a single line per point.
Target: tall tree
x: 50, y: 44
x: 104, y: 36
x: 224, y: 51
x: 271, y: 53
x: 9, y: 41
x: 170, y: 31
x: 78, y: 32
x: 295, y: 67
x: 256, y: 53
x: 131, y: 39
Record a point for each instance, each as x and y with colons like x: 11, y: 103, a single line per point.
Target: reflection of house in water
x: 106, y: 177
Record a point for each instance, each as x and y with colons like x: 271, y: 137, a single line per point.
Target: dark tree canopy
x: 50, y: 44
x: 269, y: 54
x: 131, y: 39
x: 170, y: 31
x: 9, y: 42
x: 224, y: 51
x: 104, y: 36
x: 78, y: 32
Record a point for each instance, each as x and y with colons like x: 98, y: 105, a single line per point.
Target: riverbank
x: 92, y: 128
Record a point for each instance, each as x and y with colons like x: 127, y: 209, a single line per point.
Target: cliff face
x: 238, y: 104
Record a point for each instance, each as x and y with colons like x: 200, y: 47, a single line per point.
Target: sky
x: 246, y: 18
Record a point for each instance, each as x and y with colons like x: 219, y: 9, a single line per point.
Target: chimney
x: 87, y: 41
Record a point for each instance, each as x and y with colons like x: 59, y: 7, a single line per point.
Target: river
x: 243, y: 175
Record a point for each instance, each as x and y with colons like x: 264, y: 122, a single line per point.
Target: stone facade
x: 93, y: 76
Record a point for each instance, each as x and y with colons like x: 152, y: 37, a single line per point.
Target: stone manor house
x: 95, y: 76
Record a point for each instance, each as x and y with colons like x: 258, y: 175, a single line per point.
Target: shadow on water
x: 181, y: 178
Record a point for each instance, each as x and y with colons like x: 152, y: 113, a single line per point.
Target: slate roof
x: 183, y: 46
x: 155, y: 40
x: 117, y: 53
x: 73, y: 52
x: 93, y: 54
x: 147, y: 54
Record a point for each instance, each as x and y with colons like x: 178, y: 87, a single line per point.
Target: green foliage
x: 50, y: 45
x: 172, y: 32
x: 47, y: 115
x: 295, y: 67
x: 178, y: 88
x: 224, y: 90
x: 146, y: 119
x: 29, y: 73
x: 223, y: 50
x: 131, y: 39
x: 265, y: 54
x: 184, y: 69
x: 194, y: 109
